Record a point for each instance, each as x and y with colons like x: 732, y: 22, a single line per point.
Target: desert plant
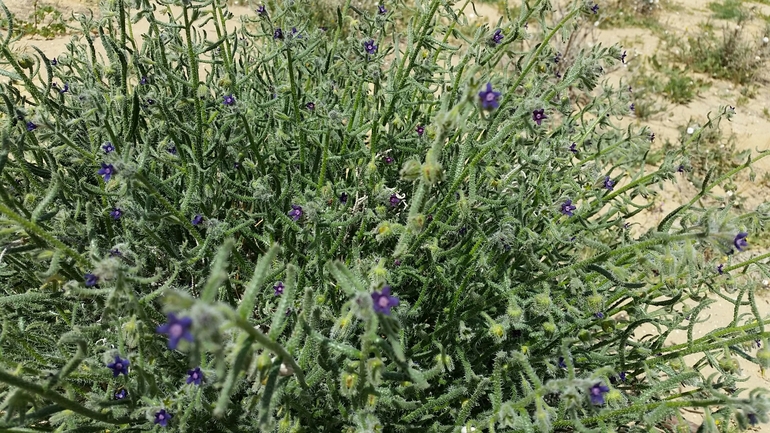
x: 289, y: 229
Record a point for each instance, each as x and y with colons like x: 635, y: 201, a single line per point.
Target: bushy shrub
x: 289, y: 229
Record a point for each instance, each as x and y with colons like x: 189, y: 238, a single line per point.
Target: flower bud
x: 729, y: 364
x: 542, y: 303
x: 763, y: 356
x: 595, y: 302
x: 549, y: 327
x: 348, y: 382
x: 497, y: 331
x: 416, y: 223
x: 410, y: 170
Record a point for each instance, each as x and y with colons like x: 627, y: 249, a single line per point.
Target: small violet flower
x: 162, y: 417
x: 91, y: 280
x: 721, y: 268
x: 65, y: 89
x: 383, y: 302
x: 573, y: 148
x: 106, y: 171
x: 295, y: 213
x: 261, y: 10
x: 498, y: 37
x: 381, y: 10
x: 229, y: 100
x: 370, y: 47
x: 54, y: 62
x: 194, y: 376
x: 567, y: 208
x: 623, y: 59
x: 310, y: 106
x: 387, y: 159
x: 538, y: 116
x: 557, y: 58
x: 394, y: 200
x: 172, y: 150
x: 31, y: 126
x: 197, y: 219
x: 753, y: 420
x: 344, y: 198
x: 177, y: 328
x: 489, y: 98
x: 278, y: 289
x: 595, y: 9
x: 120, y: 394
x: 420, y: 130
x: 143, y: 81
x: 740, y: 241
x: 278, y: 33
x: 561, y: 362
x: 119, y: 366
x: 597, y: 393
x: 115, y: 253
x: 116, y: 213
x: 599, y: 315
x: 680, y: 169
x: 652, y: 137
x: 608, y: 183
x: 108, y: 147
x: 632, y: 108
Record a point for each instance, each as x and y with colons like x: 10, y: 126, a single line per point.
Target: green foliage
x: 45, y: 21
x: 632, y: 13
x: 731, y: 57
x: 357, y: 240
x: 729, y: 10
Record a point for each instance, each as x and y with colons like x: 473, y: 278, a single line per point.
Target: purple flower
x: 31, y: 126
x: 261, y: 10
x: 54, y: 62
x: 489, y: 98
x: 608, y: 183
x: 108, y: 147
x: 278, y: 33
x: 721, y: 268
x: 621, y: 377
x: 91, y: 280
x: 573, y: 148
x: 370, y: 47
x: 116, y: 213
x: 420, y: 130
x: 383, y: 302
x: 381, y: 10
x: 680, y: 169
x: 344, y: 198
x: 387, y: 159
x: 561, y: 362
x: 278, y: 289
x: 394, y: 200
x: 197, y: 219
x: 143, y: 81
x: 229, y: 100
x: 120, y: 394
x: 106, y: 171
x: 194, y: 376
x: 652, y: 137
x: 295, y: 213
x: 162, y: 417
x: 623, y: 59
x: 177, y: 329
x: 538, y: 116
x: 498, y: 37
x: 294, y: 33
x: 172, y: 150
x: 599, y: 315
x: 632, y: 107
x: 597, y: 393
x: 397, y: 262
x: 65, y: 89
x: 567, y: 207
x: 595, y: 9
x: 150, y: 101
x: 310, y: 106
x: 557, y: 58
x: 115, y: 253
x: 752, y: 418
x: 119, y: 366
x: 740, y: 241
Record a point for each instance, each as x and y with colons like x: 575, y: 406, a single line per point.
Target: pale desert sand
x: 750, y: 126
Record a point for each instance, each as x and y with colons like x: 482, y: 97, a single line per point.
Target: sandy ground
x: 750, y: 126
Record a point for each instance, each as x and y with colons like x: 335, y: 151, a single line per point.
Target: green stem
x: 59, y: 399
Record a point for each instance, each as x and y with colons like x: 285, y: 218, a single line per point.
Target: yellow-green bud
x: 595, y: 302
x: 542, y: 303
x: 416, y: 223
x: 410, y: 170
x: 515, y: 313
x: 497, y: 331
x: 729, y: 364
x: 584, y: 336
x: 549, y: 327
x: 264, y: 362
x: 203, y: 91
x: 763, y: 356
